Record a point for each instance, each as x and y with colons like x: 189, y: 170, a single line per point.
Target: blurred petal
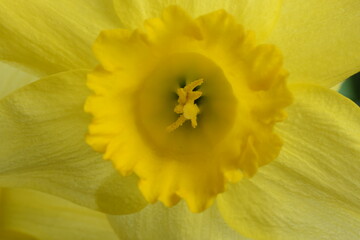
x: 7, y: 234
x: 320, y: 40
x: 43, y: 129
x: 259, y: 16
x: 176, y: 223
x: 52, y: 36
x: 46, y: 217
x: 12, y: 79
x: 14, y: 235
x: 312, y: 190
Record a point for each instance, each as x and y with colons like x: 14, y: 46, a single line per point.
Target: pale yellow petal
x: 258, y: 16
x: 312, y: 190
x: 176, y: 223
x: 320, y: 40
x: 42, y: 128
x: 14, y: 235
x: 45, y: 217
x: 52, y: 36
x: 12, y: 78
x: 7, y: 234
x: 338, y: 86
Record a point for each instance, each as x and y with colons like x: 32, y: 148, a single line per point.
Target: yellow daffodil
x: 219, y: 107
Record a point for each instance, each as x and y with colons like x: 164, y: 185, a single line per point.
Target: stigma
x: 187, y: 108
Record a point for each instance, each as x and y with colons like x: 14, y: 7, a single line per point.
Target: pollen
x: 187, y: 108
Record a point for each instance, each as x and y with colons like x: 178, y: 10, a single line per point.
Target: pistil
x: 187, y: 108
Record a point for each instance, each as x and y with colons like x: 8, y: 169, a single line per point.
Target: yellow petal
x: 12, y: 78
x: 42, y: 128
x: 52, y: 36
x: 312, y: 190
x: 14, y: 235
x: 46, y: 217
x: 319, y: 40
x: 259, y: 16
x: 177, y: 223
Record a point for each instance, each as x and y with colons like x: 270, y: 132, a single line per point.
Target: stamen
x: 186, y: 105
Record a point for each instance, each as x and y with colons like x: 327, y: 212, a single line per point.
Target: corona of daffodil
x: 218, y: 113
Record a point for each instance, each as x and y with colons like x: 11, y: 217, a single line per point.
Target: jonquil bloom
x: 197, y: 114
x: 223, y: 106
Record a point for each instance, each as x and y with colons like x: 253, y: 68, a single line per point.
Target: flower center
x: 169, y: 102
x: 186, y: 104
x: 187, y: 107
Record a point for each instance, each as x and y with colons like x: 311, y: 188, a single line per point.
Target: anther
x: 186, y: 107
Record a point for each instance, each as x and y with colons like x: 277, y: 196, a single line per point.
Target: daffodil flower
x: 220, y: 105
